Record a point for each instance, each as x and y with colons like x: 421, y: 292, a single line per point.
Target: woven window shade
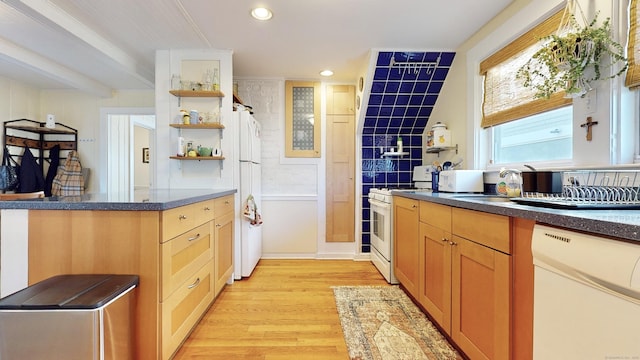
x: 633, y: 49
x: 505, y: 99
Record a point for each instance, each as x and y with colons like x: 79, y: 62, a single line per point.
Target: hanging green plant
x: 572, y: 60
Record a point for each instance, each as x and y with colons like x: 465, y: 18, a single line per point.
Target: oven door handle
x: 379, y: 203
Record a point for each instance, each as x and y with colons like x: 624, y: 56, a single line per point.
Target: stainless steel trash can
x: 70, y: 317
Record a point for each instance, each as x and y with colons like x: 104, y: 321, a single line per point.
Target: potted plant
x: 571, y: 60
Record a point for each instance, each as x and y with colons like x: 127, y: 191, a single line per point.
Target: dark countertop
x: 141, y: 200
x: 624, y: 224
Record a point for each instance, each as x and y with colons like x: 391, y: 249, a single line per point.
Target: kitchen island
x: 466, y: 260
x: 179, y: 242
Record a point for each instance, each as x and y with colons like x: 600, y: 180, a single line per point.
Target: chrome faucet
x: 505, y: 172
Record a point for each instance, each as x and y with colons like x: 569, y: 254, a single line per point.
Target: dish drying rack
x: 592, y: 189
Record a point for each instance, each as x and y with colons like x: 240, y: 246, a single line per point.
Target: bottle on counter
x: 180, y: 146
x: 399, y: 144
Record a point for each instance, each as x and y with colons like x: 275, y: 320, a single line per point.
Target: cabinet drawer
x: 435, y: 214
x: 204, y: 211
x: 487, y: 229
x: 223, y: 205
x: 179, y: 220
x: 184, y: 255
x: 182, y: 310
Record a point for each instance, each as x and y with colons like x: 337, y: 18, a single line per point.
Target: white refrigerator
x: 250, y: 244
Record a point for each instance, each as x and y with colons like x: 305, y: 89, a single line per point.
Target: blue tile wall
x: 400, y: 104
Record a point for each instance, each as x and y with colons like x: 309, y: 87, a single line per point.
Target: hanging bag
x: 8, y: 172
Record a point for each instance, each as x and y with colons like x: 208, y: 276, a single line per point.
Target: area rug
x: 381, y: 323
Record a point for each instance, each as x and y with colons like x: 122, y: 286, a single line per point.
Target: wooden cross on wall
x: 588, y: 125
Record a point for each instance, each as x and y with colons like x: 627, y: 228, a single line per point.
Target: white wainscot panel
x: 290, y: 228
x: 14, y: 251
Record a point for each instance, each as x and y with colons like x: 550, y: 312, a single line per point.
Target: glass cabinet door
x: 302, y: 116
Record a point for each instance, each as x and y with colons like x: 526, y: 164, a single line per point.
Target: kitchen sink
x: 483, y: 198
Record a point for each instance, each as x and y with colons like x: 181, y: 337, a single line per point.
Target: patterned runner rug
x: 382, y: 323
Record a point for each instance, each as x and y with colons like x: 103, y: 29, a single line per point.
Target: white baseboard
x: 323, y: 256
x: 362, y: 257
x: 290, y: 256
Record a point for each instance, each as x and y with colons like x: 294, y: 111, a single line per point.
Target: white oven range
x: 381, y: 222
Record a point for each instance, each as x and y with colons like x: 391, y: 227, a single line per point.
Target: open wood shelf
x: 196, y: 93
x: 197, y: 157
x: 198, y: 126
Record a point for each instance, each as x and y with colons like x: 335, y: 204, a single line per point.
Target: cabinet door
x: 481, y: 310
x: 340, y: 99
x: 223, y: 264
x: 435, y: 274
x: 406, y: 243
x: 302, y: 102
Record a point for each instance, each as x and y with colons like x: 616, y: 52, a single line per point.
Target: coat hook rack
x: 415, y: 66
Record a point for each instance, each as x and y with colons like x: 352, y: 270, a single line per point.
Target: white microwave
x: 461, y: 181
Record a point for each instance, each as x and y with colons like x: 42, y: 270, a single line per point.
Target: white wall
x: 460, y: 101
x: 293, y: 191
x: 72, y: 108
x: 140, y: 168
x: 82, y: 112
x: 176, y: 174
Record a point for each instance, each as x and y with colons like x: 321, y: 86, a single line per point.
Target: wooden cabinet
x: 302, y: 137
x: 480, y: 294
x: 522, y: 292
x: 406, y: 214
x: 340, y: 99
x: 435, y: 262
x: 184, y: 257
x: 223, y: 235
x: 182, y: 310
x: 196, y: 265
x: 464, y: 274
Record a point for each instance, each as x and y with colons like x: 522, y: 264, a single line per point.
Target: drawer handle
x: 182, y: 217
x: 196, y: 283
x: 226, y: 202
x: 445, y: 239
x: 206, y: 208
x: 218, y: 225
x: 453, y: 243
x: 194, y: 237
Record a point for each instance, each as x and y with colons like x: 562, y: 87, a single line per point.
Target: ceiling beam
x: 52, y: 70
x: 72, y: 25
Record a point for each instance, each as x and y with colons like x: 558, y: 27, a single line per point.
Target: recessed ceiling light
x: 326, y: 72
x: 261, y: 13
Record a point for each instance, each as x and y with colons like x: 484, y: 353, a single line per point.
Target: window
x: 524, y: 129
x: 542, y: 137
x: 302, y: 119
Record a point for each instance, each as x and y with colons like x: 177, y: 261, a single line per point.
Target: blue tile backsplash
x: 400, y: 104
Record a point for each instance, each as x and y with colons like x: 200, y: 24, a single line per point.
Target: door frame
x: 110, y: 144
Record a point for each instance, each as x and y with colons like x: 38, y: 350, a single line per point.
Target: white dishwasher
x: 586, y: 296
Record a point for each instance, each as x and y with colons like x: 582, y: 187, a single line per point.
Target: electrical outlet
x: 51, y: 121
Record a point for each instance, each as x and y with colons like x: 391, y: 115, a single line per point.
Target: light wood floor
x: 285, y: 310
